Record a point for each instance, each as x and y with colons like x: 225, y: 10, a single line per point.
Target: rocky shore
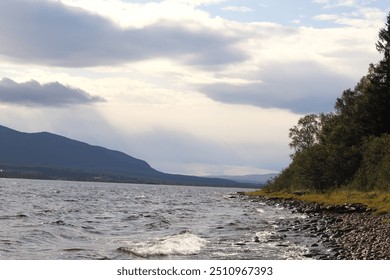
x: 346, y: 232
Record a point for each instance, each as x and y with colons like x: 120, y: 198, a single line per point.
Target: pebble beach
x: 343, y: 232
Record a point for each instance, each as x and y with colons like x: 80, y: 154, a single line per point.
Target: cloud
x: 241, y: 9
x: 327, y: 17
x: 197, y: 2
x: 336, y: 3
x: 355, y: 13
x: 33, y: 93
x: 51, y: 33
x: 301, y: 86
x: 362, y: 17
x: 177, y: 151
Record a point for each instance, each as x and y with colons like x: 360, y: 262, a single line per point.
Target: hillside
x: 50, y: 156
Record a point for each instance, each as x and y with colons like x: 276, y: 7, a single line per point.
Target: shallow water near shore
x: 83, y: 220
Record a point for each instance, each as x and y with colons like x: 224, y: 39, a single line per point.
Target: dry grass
x: 376, y: 200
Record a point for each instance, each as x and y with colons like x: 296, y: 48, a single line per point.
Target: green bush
x: 374, y: 172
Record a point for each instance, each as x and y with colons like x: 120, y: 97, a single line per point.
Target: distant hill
x: 49, y: 156
x: 259, y: 179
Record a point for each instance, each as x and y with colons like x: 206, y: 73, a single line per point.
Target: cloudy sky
x: 204, y: 87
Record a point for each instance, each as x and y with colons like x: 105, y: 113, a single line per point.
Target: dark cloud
x: 301, y: 87
x: 51, y: 33
x: 33, y: 93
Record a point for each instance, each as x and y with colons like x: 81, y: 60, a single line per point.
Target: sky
x: 202, y: 87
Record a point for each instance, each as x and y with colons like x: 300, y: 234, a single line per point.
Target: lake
x: 88, y: 220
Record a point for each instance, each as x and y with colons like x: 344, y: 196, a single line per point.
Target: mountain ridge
x: 50, y: 156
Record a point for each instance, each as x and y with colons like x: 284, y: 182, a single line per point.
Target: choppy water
x: 80, y: 220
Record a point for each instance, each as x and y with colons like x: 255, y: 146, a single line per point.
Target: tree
x: 305, y: 133
x: 350, y: 146
x: 374, y: 170
x: 365, y: 110
x: 383, y: 46
x: 378, y: 91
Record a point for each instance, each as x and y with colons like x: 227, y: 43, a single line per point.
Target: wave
x: 180, y: 244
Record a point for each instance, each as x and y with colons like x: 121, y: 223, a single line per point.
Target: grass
x: 377, y: 200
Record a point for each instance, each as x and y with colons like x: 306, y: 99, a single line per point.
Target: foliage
x: 350, y: 146
x: 378, y: 201
x: 305, y: 134
x: 374, y: 172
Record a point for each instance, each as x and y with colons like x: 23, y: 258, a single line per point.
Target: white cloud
x: 327, y: 17
x: 241, y: 9
x: 196, y: 2
x: 337, y: 3
x: 360, y: 18
x: 140, y: 15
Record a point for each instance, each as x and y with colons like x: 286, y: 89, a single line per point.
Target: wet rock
x: 349, y: 231
x: 59, y: 222
x: 308, y: 255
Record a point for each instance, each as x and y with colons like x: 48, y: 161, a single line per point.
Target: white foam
x: 263, y: 235
x: 181, y: 244
x: 295, y: 252
x: 300, y: 216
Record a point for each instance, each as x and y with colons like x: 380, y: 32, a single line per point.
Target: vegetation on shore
x: 344, y: 156
x: 377, y: 201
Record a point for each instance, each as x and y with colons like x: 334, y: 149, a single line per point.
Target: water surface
x: 85, y: 220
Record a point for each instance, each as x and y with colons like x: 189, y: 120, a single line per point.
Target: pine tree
x: 365, y: 111
x: 378, y: 87
x: 383, y: 47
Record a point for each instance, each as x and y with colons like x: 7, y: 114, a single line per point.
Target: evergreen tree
x: 383, y: 46
x: 377, y: 85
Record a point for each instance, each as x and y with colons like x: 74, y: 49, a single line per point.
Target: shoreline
x: 346, y: 232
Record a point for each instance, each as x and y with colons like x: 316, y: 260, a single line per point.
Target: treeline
x: 53, y: 173
x: 349, y: 147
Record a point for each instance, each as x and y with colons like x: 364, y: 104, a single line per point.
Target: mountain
x: 259, y: 179
x: 50, y: 156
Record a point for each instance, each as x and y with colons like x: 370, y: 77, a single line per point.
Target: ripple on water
x: 81, y: 220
